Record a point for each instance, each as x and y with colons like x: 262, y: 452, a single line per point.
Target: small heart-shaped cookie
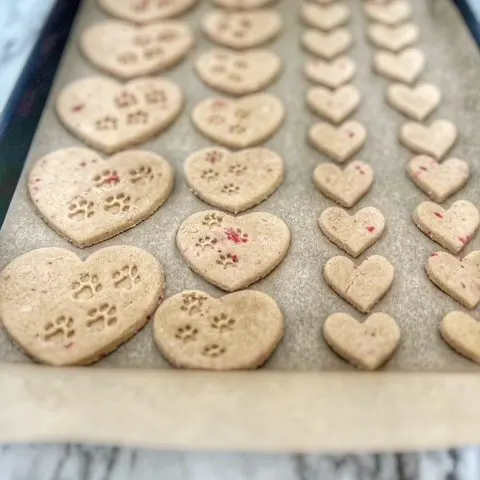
x: 146, y: 11
x: 453, y: 229
x: 327, y: 45
x: 458, y: 278
x: 414, y: 102
x: 240, y: 123
x: 241, y: 4
x: 110, y: 116
x: 347, y: 186
x: 233, y: 252
x: 338, y: 143
x: 435, y: 139
x: 240, y: 30
x: 393, y: 38
x: 366, y: 345
x: 391, y: 13
x: 238, y: 73
x: 438, y: 180
x: 361, y: 286
x: 63, y: 311
x: 403, y: 67
x: 234, y: 181
x: 462, y: 333
x: 335, y: 106
x: 129, y: 51
x: 87, y: 199
x: 355, y: 233
x: 325, y: 17
x: 331, y: 74
x: 236, y: 332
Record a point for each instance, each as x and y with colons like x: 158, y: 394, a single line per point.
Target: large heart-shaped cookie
x: 403, y: 67
x: 355, y: 233
x: 329, y: 44
x: 233, y: 252
x: 110, y: 116
x: 438, y: 180
x: 391, y: 13
x: 347, y: 186
x: 362, y: 286
x: 393, y: 38
x: 331, y: 74
x: 237, y: 331
x: 241, y: 4
x: 414, y: 102
x: 238, y: 73
x: 453, y: 229
x: 234, y: 181
x: 435, y: 139
x: 239, y: 123
x: 325, y: 17
x: 338, y: 143
x: 366, y: 345
x: 335, y: 106
x: 63, y: 311
x: 129, y: 51
x: 145, y: 11
x: 241, y: 30
x: 458, y: 278
x: 462, y: 333
x: 87, y: 199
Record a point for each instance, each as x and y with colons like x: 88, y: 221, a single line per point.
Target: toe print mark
x: 237, y: 169
x: 103, y: 316
x: 227, y: 260
x: 209, y: 174
x: 106, y: 123
x: 127, y: 58
x: 212, y: 220
x: 79, y: 209
x: 125, y: 100
x: 141, y: 176
x: 139, y: 117
x: 193, y: 303
x: 206, y: 243
x: 230, y: 188
x: 223, y: 323
x: 86, y: 287
x: 59, y: 330
x: 107, y: 179
x: 186, y: 334
x: 127, y: 277
x: 213, y: 350
x: 117, y: 204
x: 156, y: 96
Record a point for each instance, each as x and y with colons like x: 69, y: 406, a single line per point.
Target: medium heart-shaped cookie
x: 327, y: 45
x: 233, y: 252
x: 241, y: 30
x: 325, y: 17
x: 236, y: 332
x: 453, y: 229
x: 239, y: 123
x: 393, y: 38
x: 462, y: 333
x: 238, y: 73
x: 415, y: 102
x: 391, y: 13
x: 110, y: 116
x: 352, y: 233
x: 438, y: 180
x: 335, y: 106
x: 435, y: 139
x: 129, y: 51
x: 331, y: 74
x: 338, y: 143
x: 458, y: 278
x: 366, y: 345
x: 234, y: 181
x: 241, y: 4
x: 403, y: 67
x: 87, y: 199
x: 361, y: 286
x: 63, y: 311
x: 347, y: 186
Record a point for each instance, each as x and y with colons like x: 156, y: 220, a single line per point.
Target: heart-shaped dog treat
x: 393, y: 38
x: 233, y: 252
x: 239, y: 123
x: 362, y: 286
x: 347, y: 186
x: 241, y: 30
x: 338, y: 143
x: 236, y: 332
x: 462, y: 333
x: 403, y: 67
x: 434, y: 140
x: 366, y: 345
x: 438, y: 181
x: 110, y: 116
x: 145, y: 11
x: 238, y: 73
x: 241, y: 4
x: 392, y: 13
x: 355, y: 233
x: 452, y: 228
x: 335, y: 106
x: 86, y: 199
x: 414, y: 102
x: 234, y: 181
x: 129, y: 51
x: 63, y: 311
x: 325, y: 17
x: 327, y: 45
x: 458, y: 278
x: 331, y: 74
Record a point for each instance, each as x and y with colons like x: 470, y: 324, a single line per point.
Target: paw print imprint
x: 106, y: 179
x: 117, y: 203
x: 142, y: 175
x: 242, y: 113
x: 230, y: 188
x: 139, y: 117
x: 80, y: 209
x: 151, y: 52
x: 213, y: 157
x: 212, y: 220
x: 156, y: 96
x: 193, y: 303
x: 142, y: 40
x: 59, y: 330
x: 103, y: 316
x: 127, y: 277
x: 206, y: 243
x: 106, y: 123
x: 235, y: 77
x: 237, y: 129
x: 186, y: 334
x: 227, y: 260
x: 216, y: 119
x: 237, y: 169
x: 86, y: 287
x: 125, y: 100
x: 209, y: 174
x: 127, y: 58
x: 223, y: 322
x: 213, y: 350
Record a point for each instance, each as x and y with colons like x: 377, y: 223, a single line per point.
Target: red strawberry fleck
x: 235, y: 236
x: 235, y: 258
x: 438, y: 214
x: 359, y: 169
x: 371, y: 229
x: 434, y: 255
x: 465, y: 239
x: 113, y: 179
x: 78, y: 108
